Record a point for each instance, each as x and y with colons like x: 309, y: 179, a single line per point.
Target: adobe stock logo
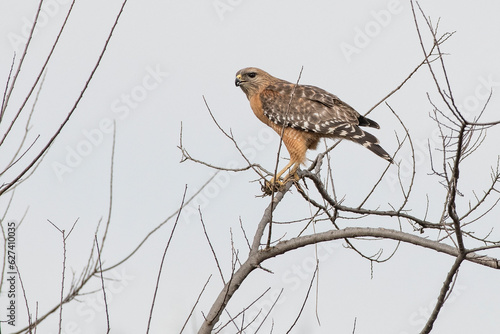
x: 364, y: 36
x: 49, y: 9
x: 223, y: 6
x: 121, y: 107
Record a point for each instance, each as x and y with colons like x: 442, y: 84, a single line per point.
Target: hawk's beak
x: 237, y: 82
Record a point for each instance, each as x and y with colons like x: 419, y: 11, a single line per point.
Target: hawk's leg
x: 275, y: 184
x: 297, y: 143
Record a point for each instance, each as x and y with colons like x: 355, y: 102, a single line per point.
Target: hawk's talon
x: 277, y: 185
x: 272, y: 186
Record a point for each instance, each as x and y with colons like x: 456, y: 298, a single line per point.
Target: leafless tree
x: 451, y: 233
x: 19, y: 164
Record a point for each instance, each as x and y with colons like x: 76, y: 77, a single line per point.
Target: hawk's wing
x: 312, y: 109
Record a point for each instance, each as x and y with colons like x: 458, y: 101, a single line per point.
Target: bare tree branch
x: 442, y: 294
x: 7, y: 186
x: 163, y: 260
x: 102, y: 283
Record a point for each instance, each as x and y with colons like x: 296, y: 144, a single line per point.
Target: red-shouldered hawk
x: 311, y: 114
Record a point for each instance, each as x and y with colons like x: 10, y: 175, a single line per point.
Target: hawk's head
x: 252, y: 80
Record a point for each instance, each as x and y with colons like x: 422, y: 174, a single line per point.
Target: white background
x: 195, y: 48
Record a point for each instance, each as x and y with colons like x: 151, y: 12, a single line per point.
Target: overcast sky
x: 163, y: 58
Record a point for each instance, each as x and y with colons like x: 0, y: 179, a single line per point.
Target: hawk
x: 304, y: 114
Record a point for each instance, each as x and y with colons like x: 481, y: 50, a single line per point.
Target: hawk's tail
x: 371, y: 142
x: 364, y: 121
x: 357, y: 135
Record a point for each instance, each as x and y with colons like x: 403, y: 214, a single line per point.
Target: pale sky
x: 162, y: 59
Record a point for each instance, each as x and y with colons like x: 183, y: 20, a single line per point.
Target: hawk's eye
x: 252, y: 74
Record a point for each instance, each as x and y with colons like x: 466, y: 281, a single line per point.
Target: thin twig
x: 211, y: 247
x: 63, y: 278
x: 243, y: 310
x: 195, y: 304
x: 160, y: 225
x: 305, y: 299
x: 231, y: 137
x: 25, y: 296
x: 111, y: 183
x: 269, y: 312
x: 7, y: 95
x: 72, y: 110
x: 42, y: 70
x: 102, y: 283
x: 157, y: 285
